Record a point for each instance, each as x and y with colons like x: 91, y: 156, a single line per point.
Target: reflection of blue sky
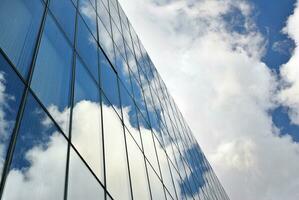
x: 11, y: 90
x: 34, y: 132
x: 198, y: 169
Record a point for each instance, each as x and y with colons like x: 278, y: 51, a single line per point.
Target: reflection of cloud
x: 44, y: 166
x: 225, y: 91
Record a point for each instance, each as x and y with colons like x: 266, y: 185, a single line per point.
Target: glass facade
x: 84, y: 114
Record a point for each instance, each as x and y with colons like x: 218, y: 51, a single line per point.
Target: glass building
x: 85, y: 115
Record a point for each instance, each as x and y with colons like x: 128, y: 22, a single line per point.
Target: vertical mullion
x: 72, y: 94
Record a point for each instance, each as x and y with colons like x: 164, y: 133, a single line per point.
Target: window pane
x: 166, y: 174
x: 82, y: 184
x: 87, y: 47
x: 109, y: 81
x: 19, y: 22
x: 38, y: 164
x: 116, y: 161
x: 86, y: 126
x: 89, y: 15
x: 148, y: 144
x: 129, y: 113
x: 105, y: 40
x: 138, y: 172
x: 156, y: 184
x: 11, y: 90
x: 65, y: 13
x: 52, y: 73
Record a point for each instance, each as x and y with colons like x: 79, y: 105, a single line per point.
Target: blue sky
x: 270, y: 19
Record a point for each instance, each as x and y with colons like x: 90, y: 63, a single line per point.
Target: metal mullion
x: 71, y: 106
x: 19, y: 117
x: 102, y: 126
x: 125, y: 139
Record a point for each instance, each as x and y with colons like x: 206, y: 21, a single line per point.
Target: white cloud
x: 289, y: 95
x: 225, y: 92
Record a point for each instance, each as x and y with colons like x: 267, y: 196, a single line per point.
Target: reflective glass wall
x: 84, y: 114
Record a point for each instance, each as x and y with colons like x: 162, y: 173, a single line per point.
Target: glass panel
x: 166, y: 175
x: 86, y: 126
x: 103, y: 16
x: 11, y: 89
x: 105, y: 41
x: 82, y: 184
x: 129, y: 114
x: 114, y: 15
x: 109, y: 81
x: 65, y: 13
x: 138, y: 172
x: 19, y: 22
x: 87, y: 47
x: 168, y: 196
x: 178, y: 183
x: 89, y: 15
x: 52, y: 73
x: 116, y: 161
x: 148, y: 144
x: 38, y: 166
x: 156, y: 184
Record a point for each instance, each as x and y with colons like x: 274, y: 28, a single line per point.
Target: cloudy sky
x: 232, y: 67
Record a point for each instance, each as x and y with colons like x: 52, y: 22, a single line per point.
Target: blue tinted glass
x: 89, y: 15
x: 109, y: 81
x: 52, y: 73
x: 11, y: 90
x: 19, y: 22
x: 87, y: 47
x: 39, y: 158
x: 65, y: 13
x: 86, y: 124
x: 85, y: 86
x: 129, y: 113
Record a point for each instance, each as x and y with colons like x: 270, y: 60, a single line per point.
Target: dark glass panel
x: 38, y: 166
x: 65, y: 13
x: 52, y: 73
x: 20, y: 22
x: 87, y: 47
x: 109, y: 81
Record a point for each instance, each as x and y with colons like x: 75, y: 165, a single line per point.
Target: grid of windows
x: 84, y: 114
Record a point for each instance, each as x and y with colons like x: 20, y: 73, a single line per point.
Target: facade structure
x: 84, y: 113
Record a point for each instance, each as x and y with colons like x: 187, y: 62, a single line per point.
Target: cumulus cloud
x: 212, y: 66
x: 289, y: 95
